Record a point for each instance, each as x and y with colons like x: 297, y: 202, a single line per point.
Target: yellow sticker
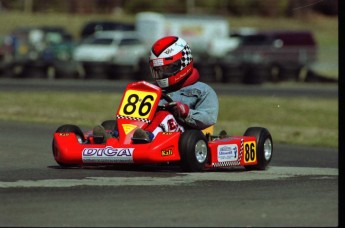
x: 137, y: 104
x: 128, y: 128
x: 249, y: 152
x: 168, y: 152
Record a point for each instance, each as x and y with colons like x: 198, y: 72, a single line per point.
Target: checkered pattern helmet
x: 171, y: 61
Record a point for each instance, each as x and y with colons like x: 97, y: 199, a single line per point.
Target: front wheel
x: 70, y: 128
x: 67, y: 128
x: 264, y: 147
x: 193, y: 150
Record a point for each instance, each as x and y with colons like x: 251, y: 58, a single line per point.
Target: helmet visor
x: 166, y: 71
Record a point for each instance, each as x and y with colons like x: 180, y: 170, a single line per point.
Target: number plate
x: 137, y: 104
x: 249, y: 152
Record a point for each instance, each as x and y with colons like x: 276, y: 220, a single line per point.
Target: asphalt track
x: 300, y: 188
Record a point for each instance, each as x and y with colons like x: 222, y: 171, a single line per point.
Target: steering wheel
x: 169, y: 108
x: 164, y: 96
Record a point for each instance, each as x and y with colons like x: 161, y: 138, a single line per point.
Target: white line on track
x: 271, y: 173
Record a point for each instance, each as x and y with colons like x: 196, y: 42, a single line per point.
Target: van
x: 207, y: 36
x: 198, y: 31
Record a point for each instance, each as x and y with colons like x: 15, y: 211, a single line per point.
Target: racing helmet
x: 171, y: 61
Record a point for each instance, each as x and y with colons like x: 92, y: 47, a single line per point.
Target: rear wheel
x: 193, y: 150
x: 264, y: 147
x: 67, y: 128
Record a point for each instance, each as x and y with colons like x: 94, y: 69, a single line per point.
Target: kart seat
x: 208, y: 130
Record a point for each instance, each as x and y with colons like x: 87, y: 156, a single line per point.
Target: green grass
x: 300, y: 121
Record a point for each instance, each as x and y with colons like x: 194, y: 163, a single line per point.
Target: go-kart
x: 194, y: 150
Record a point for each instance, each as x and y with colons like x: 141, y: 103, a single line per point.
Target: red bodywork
x: 138, y: 109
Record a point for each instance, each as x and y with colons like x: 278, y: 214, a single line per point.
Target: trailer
x: 207, y: 35
x: 200, y: 31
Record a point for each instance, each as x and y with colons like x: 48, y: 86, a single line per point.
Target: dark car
x: 5, y: 53
x: 95, y: 26
x: 269, y: 55
x: 40, y: 51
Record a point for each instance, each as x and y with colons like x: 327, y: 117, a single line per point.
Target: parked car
x: 96, y: 26
x: 112, y: 54
x: 39, y: 52
x: 269, y: 55
x: 5, y: 50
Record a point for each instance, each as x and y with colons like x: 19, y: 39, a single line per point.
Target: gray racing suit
x: 203, y: 104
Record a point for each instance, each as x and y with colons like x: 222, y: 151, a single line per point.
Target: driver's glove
x: 178, y: 109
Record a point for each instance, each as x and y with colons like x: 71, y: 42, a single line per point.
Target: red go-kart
x: 193, y: 149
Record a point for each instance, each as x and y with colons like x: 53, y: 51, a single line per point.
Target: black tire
x: 143, y: 72
x: 194, y: 151
x: 274, y: 73
x: 110, y: 125
x: 207, y: 72
x: 68, y: 128
x: 264, y: 147
x: 232, y: 74
x: 255, y: 75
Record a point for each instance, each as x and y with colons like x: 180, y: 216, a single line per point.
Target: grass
x: 300, y: 121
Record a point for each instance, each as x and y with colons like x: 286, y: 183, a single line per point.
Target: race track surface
x: 300, y: 188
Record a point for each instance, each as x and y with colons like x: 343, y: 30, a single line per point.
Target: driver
x: 195, y: 103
